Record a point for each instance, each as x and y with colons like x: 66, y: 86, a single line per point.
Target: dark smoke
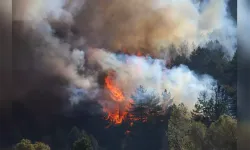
x: 151, y: 26
x: 51, y: 39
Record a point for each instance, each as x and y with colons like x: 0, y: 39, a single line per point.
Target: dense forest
x: 210, y: 125
x: 43, y: 119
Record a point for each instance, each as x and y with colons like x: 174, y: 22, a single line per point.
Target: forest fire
x: 137, y: 53
x: 121, y: 105
x: 115, y: 93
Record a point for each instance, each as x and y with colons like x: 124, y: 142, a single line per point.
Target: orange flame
x: 122, y: 105
x: 138, y: 54
x: 115, y: 93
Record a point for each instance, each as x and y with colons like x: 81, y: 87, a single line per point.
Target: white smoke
x: 50, y: 55
x: 127, y: 24
x: 133, y: 72
x: 40, y: 10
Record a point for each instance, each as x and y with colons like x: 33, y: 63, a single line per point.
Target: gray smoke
x: 133, y: 72
x: 51, y: 40
x: 151, y: 26
x: 38, y: 54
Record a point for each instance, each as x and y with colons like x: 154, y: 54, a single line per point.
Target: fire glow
x: 122, y: 105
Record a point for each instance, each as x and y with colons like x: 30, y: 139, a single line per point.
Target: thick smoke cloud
x: 51, y: 40
x: 151, y: 26
x: 133, y: 72
x: 40, y: 58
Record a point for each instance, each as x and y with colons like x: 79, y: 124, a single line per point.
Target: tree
x: 211, y: 106
x: 222, y: 134
x: 206, y: 61
x: 221, y: 102
x: 41, y: 146
x: 26, y: 144
x: 94, y: 143
x: 74, y: 135
x: 148, y: 105
x: 186, y: 134
x: 197, y: 135
x: 231, y: 83
x: 178, y: 128
x: 83, y: 143
x: 147, y: 116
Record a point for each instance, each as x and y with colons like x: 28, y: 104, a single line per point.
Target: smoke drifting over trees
x: 152, y: 26
x: 62, y: 49
x: 45, y: 32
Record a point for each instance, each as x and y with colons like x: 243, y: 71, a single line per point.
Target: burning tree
x: 148, y: 118
x: 121, y: 105
x: 137, y: 115
x: 139, y: 107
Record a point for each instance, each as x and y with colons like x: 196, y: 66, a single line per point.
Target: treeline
x: 187, y: 134
x: 220, y: 66
x: 78, y: 140
x: 210, y: 125
x: 144, y: 129
x: 176, y: 128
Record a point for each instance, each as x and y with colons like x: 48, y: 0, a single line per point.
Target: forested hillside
x: 121, y: 75
x: 177, y: 126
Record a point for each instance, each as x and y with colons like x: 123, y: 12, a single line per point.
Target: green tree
x: 231, y: 83
x: 94, y: 143
x: 211, y: 106
x: 206, y: 61
x: 197, y: 135
x: 26, y: 144
x: 222, y: 134
x: 41, y: 146
x: 148, y: 106
x: 83, y: 143
x: 147, y: 116
x: 187, y: 134
x: 179, y: 127
x: 74, y: 135
x: 217, y: 64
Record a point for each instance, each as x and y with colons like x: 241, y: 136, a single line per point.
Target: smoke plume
x: 152, y: 26
x: 51, y: 41
x: 40, y: 58
x: 133, y: 72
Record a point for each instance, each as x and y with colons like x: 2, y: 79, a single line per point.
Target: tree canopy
x: 26, y: 144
